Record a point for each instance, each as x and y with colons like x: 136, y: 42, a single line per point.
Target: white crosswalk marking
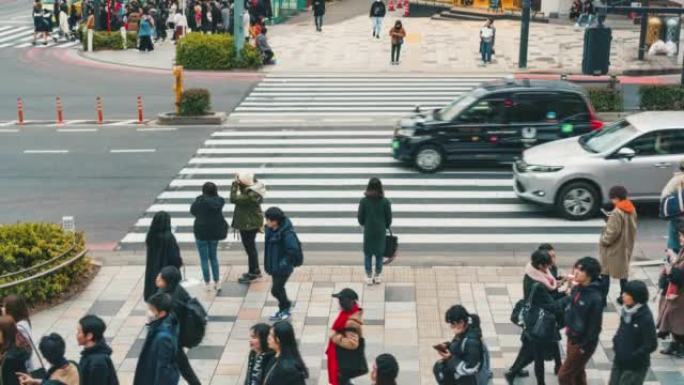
x: 319, y: 189
x: 12, y: 36
x: 335, y: 98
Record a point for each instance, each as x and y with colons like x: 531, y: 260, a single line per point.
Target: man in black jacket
x: 635, y: 339
x: 96, y: 367
x: 583, y: 317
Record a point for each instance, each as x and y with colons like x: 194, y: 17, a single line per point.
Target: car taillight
x: 596, y: 124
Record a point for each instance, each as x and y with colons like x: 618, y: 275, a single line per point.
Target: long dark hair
x: 160, y: 228
x: 261, y: 330
x: 8, y: 329
x: 374, y: 188
x: 16, y: 307
x: 289, y: 352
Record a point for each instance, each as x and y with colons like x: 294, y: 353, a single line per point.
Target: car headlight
x: 540, y: 168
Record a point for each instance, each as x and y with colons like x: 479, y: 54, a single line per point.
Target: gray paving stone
x: 496, y: 291
x: 136, y: 348
x: 105, y: 308
x: 206, y: 353
x: 316, y: 321
x: 670, y: 378
x: 400, y: 294
x: 376, y: 322
x: 221, y: 318
x: 507, y: 329
x: 233, y: 289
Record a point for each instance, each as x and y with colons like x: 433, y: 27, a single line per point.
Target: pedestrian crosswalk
x: 12, y: 36
x: 341, y: 98
x: 318, y: 177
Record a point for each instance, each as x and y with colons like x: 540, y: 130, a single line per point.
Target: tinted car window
x: 534, y: 108
x: 487, y: 110
x: 571, y: 108
x: 659, y: 143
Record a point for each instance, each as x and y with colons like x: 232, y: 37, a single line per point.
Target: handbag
x: 540, y: 324
x: 41, y: 372
x: 352, y: 363
x: 522, y: 308
x: 391, y: 246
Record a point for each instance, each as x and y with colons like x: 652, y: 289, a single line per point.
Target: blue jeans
x: 377, y: 26
x: 369, y: 265
x: 318, y: 20
x: 207, y: 253
x: 486, y: 51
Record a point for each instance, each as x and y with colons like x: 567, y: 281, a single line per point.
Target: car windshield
x: 609, y: 137
x: 451, y: 110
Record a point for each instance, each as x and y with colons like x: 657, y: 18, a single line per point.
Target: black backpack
x: 297, y: 259
x: 193, y: 324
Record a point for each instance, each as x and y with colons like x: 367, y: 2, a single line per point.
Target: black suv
x: 494, y: 122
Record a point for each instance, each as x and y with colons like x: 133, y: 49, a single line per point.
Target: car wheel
x: 578, y: 201
x: 428, y: 159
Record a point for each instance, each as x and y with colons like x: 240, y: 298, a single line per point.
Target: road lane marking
x: 76, y: 130
x: 132, y: 150
x: 46, y: 151
x: 157, y: 129
x: 9, y: 130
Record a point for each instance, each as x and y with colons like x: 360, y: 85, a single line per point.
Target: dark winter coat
x: 584, y: 315
x: 671, y: 311
x: 281, y: 373
x: 247, y: 214
x: 375, y: 215
x: 161, y: 252
x: 257, y: 366
x: 157, y: 361
x: 97, y: 367
x: 178, y: 294
x: 209, y: 222
x: 378, y: 9
x: 13, y: 362
x: 468, y: 355
x: 280, y: 246
x: 635, y: 341
x: 318, y: 7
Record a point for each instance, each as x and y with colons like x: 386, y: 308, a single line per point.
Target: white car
x: 574, y: 175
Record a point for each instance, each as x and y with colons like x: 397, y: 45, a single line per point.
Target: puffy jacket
x: 97, y: 367
x: 157, y: 361
x: 584, y: 315
x: 280, y: 246
x: 247, y: 213
x: 469, y: 356
x: 635, y: 341
x: 318, y: 7
x: 209, y: 222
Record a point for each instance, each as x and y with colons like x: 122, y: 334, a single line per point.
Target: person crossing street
x: 247, y: 193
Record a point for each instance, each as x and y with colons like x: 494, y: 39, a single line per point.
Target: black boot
x: 510, y: 377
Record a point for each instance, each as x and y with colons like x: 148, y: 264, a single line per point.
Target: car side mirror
x: 416, y: 109
x: 625, y: 153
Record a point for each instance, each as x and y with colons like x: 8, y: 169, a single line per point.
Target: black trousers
x: 248, y: 238
x: 605, y: 285
x: 185, y: 369
x: 396, y: 50
x: 531, y: 352
x: 278, y: 291
x: 146, y: 43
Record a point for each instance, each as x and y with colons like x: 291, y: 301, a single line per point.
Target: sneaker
x: 217, y: 287
x: 369, y: 281
x: 285, y: 315
x: 276, y: 316
x: 378, y: 279
x: 207, y: 286
x: 672, y: 349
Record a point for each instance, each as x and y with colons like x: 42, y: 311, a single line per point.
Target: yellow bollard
x: 653, y: 30
x: 178, y: 86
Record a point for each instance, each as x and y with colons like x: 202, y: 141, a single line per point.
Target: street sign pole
x: 524, y: 34
x: 642, y: 32
x: 238, y: 31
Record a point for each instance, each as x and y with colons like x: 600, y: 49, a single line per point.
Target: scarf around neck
x: 339, y: 325
x: 628, y: 312
x: 545, y: 278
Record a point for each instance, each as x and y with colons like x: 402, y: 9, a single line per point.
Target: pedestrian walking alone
x: 15, y: 306
x: 671, y: 307
x: 345, y: 352
x: 375, y: 215
x: 209, y: 228
x: 261, y: 356
x: 12, y: 358
x: 282, y: 253
x: 318, y: 7
x: 377, y: 13
x: 617, y: 241
x: 462, y: 357
x: 397, y: 35
x: 157, y: 361
x: 162, y: 251
x: 635, y: 339
x: 96, y: 364
x: 61, y: 372
x: 288, y: 368
x: 487, y: 42
x: 385, y: 370
x: 583, y: 320
x: 247, y: 193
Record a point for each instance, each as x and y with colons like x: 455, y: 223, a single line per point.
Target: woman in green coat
x: 246, y: 194
x: 375, y: 215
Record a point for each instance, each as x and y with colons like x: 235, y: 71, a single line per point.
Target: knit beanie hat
x: 246, y: 178
x: 387, y: 366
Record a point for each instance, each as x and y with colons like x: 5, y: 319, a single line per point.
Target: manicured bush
x: 103, y: 40
x: 195, y: 101
x: 605, y: 99
x: 197, y: 51
x: 28, y: 244
x: 662, y: 97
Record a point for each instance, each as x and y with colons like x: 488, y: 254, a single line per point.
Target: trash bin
x: 596, y: 55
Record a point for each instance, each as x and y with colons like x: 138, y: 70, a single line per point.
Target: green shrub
x: 103, y: 40
x: 28, y: 244
x: 195, y: 101
x: 662, y: 97
x: 197, y: 51
x: 605, y: 99
x: 250, y: 57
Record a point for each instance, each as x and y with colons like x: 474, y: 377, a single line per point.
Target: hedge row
x: 103, y: 40
x: 605, y: 99
x: 662, y: 98
x: 197, y: 51
x: 28, y: 244
x: 194, y: 102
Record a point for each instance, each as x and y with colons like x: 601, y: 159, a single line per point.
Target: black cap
x: 387, y: 366
x: 347, y: 293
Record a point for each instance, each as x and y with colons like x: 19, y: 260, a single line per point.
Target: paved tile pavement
x: 403, y: 316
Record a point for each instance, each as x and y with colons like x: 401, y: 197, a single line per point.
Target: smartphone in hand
x: 442, y: 348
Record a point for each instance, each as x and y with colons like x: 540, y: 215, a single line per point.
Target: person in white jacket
x: 245, y: 24
x: 64, y: 31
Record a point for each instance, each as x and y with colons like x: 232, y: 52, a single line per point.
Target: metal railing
x: 40, y: 274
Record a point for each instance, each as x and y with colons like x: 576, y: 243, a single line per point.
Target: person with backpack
x: 162, y: 250
x: 247, y: 193
x: 96, y: 363
x: 209, y: 228
x: 583, y: 320
x: 260, y: 354
x: 157, y: 361
x: 282, y: 253
x: 318, y: 7
x: 377, y: 13
x: 635, y: 339
x: 61, y: 372
x: 346, y: 347
x: 465, y: 360
x: 288, y: 367
x: 375, y: 215
x: 168, y: 281
x: 539, y: 287
x: 385, y: 370
x: 15, y: 306
x: 12, y: 358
